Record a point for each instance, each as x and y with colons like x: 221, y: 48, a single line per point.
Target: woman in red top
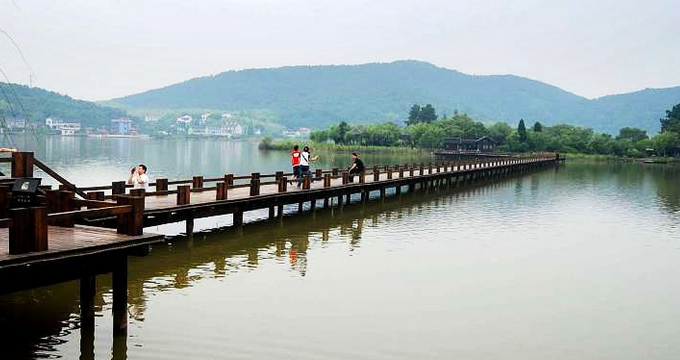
x: 295, y: 161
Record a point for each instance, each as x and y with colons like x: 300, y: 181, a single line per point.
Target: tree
x: 672, y: 120
x: 428, y: 114
x: 632, y: 134
x: 538, y: 127
x: 414, y: 115
x: 522, y: 131
x: 343, y: 128
x: 665, y: 141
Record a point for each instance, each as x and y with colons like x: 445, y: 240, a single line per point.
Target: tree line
x: 425, y: 129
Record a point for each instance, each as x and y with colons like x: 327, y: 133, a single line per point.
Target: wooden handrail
x: 455, y: 166
x: 58, y: 177
x: 101, y: 212
x: 96, y: 204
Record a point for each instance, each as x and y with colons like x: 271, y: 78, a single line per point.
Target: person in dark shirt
x: 357, y: 166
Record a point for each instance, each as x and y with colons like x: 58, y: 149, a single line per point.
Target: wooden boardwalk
x: 186, y: 203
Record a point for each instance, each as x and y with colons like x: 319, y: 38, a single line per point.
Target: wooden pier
x: 79, y: 232
x: 186, y: 200
x: 41, y: 245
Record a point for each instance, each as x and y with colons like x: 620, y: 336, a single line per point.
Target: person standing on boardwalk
x: 357, y: 167
x: 305, y: 159
x: 138, y: 177
x: 295, y: 161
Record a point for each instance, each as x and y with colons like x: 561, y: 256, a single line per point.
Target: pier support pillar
x: 119, y: 283
x: 87, y: 293
x: 272, y: 215
x: 280, y: 212
x: 238, y: 218
x: 88, y: 287
x: 190, y: 226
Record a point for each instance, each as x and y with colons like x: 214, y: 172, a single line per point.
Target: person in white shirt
x: 139, y: 178
x: 305, y: 159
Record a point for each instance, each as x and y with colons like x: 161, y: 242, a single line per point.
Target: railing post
x: 229, y: 180
x: 327, y: 180
x: 162, y: 184
x: 65, y: 198
x: 4, y: 201
x: 410, y: 171
x: 197, y: 182
x: 254, y: 184
x: 19, y: 239
x: 376, y: 173
x: 131, y: 223
x: 345, y: 177
x: 362, y: 177
x: 318, y: 174
x: 283, y: 184
x: 118, y: 188
x: 306, y: 182
x: 39, y: 227
x: 279, y: 175
x: 183, y: 194
x: 335, y: 172
x: 389, y: 172
x: 22, y: 164
x: 401, y: 172
x: 222, y: 193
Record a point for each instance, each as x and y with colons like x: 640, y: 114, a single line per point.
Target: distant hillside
x: 317, y: 96
x: 34, y: 104
x: 642, y: 109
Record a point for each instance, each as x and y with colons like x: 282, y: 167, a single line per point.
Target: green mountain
x: 317, y: 96
x: 34, y: 104
x: 641, y: 109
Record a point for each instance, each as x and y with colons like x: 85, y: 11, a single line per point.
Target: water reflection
x: 37, y: 322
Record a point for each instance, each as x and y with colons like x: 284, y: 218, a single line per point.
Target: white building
x: 185, y: 119
x: 64, y: 128
x: 234, y: 128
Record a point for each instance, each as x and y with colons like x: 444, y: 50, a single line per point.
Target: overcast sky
x: 97, y: 50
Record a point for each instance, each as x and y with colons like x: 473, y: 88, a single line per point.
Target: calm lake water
x: 578, y: 262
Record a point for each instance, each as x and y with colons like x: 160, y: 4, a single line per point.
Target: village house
x: 483, y: 144
x: 62, y: 127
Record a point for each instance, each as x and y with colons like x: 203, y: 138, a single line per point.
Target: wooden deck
x: 79, y: 240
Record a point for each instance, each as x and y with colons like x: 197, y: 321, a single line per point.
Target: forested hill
x: 34, y: 104
x: 317, y: 96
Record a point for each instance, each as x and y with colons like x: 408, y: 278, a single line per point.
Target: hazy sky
x: 96, y: 50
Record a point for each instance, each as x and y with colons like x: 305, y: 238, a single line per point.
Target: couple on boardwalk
x: 300, y: 161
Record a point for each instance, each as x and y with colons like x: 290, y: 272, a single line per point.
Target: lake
x: 576, y: 262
